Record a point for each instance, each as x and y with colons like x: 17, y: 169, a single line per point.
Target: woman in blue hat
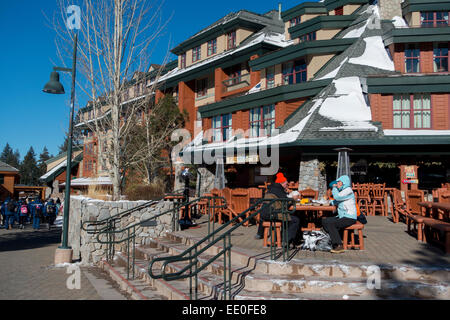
x: 344, y: 199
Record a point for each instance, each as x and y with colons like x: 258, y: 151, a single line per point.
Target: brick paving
x: 28, y: 271
x: 385, y: 243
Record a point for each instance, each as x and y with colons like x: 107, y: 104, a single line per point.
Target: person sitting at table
x: 344, y: 199
x: 278, y: 190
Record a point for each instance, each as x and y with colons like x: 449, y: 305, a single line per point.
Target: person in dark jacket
x: 279, y: 190
x: 50, y: 211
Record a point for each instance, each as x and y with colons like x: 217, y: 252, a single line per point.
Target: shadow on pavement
x: 16, y: 239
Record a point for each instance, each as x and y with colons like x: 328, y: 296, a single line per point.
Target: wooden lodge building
x: 372, y: 76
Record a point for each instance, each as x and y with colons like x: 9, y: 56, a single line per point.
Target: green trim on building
x: 319, y: 23
x: 215, y: 32
x: 75, y: 161
x: 223, y: 62
x: 317, y: 7
x: 383, y: 141
x: 424, y: 5
x: 63, y: 154
x: 303, y: 8
x: 408, y: 84
x: 300, y: 50
x: 265, y: 97
x: 415, y: 35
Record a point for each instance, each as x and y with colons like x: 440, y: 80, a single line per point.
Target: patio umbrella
x: 219, y: 179
x: 343, y: 163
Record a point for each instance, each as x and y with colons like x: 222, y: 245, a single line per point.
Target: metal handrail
x: 110, y: 230
x: 191, y: 254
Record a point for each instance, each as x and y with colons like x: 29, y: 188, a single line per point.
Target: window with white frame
x: 222, y: 126
x: 262, y: 121
x: 412, y: 111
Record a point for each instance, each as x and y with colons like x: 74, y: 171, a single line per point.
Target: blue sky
x: 29, y: 117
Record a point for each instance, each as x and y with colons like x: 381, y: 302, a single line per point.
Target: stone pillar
x: 310, y: 175
x: 390, y: 9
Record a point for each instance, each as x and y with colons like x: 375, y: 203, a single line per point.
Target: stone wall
x: 390, y: 9
x: 86, y: 247
x: 205, y: 183
x: 310, y: 176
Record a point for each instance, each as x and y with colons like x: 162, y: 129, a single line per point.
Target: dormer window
x: 231, y: 40
x: 295, y: 21
x: 212, y: 47
x: 432, y: 19
x: 196, y: 54
x: 339, y: 11
x: 183, y: 61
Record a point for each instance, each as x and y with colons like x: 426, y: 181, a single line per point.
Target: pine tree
x: 10, y: 157
x: 44, y: 156
x: 29, y: 171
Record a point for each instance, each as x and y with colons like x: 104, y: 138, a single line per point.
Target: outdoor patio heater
x: 343, y: 163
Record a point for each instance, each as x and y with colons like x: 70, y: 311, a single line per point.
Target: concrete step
x: 345, y: 286
x: 172, y: 290
x: 138, y: 289
x: 352, y: 270
x: 263, y: 264
x: 250, y: 295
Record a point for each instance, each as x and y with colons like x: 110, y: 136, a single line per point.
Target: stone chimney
x: 390, y: 8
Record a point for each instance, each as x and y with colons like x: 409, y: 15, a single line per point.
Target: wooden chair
x: 399, y: 207
x: 310, y: 194
x: 444, y: 196
x: 240, y: 201
x: 255, y: 194
x: 276, y: 233
x: 378, y: 198
x: 352, y: 244
x: 415, y: 212
x: 364, y: 200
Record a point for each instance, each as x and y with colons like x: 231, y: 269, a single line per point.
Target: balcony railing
x: 235, y: 83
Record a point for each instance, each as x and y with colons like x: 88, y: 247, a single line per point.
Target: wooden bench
x: 432, y: 224
x: 276, y: 232
x: 352, y: 244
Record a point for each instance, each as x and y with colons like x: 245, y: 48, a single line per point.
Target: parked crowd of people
x: 23, y: 211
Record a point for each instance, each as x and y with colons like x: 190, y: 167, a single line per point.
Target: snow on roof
x: 333, y: 73
x: 348, y: 106
x: 375, y: 55
x: 260, y: 37
x: 90, y: 181
x: 399, y: 22
x: 63, y: 164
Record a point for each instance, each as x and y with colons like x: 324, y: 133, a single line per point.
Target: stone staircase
x: 256, y: 277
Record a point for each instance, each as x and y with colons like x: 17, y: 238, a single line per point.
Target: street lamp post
x: 64, y: 252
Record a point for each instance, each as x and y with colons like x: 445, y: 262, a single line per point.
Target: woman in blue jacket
x: 344, y: 199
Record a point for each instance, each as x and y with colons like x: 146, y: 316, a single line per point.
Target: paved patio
x: 385, y: 243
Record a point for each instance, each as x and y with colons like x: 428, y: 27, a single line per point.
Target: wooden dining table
x: 436, y: 210
x: 312, y: 213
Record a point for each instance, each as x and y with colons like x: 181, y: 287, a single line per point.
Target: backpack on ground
x: 316, y: 241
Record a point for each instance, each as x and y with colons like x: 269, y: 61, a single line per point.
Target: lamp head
x: 54, y: 86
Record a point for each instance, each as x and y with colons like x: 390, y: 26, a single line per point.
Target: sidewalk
x: 28, y: 271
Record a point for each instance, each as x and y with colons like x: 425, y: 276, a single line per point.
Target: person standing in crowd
x: 344, y: 199
x: 10, y: 209
x: 3, y: 213
x: 23, y: 211
x: 58, y: 206
x: 50, y: 212
x: 36, y: 212
x: 278, y: 190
